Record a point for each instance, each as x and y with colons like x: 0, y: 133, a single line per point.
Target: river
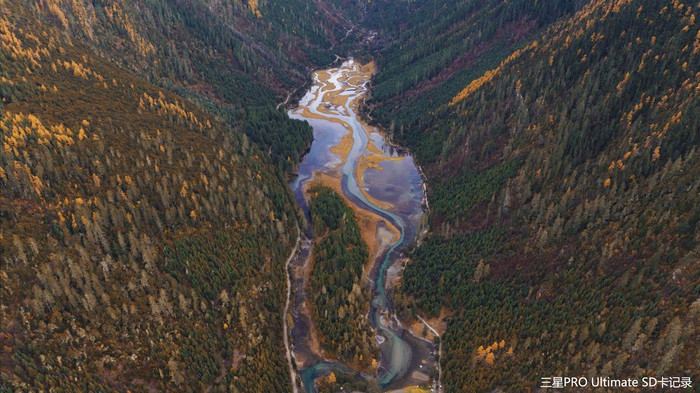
x: 384, y: 186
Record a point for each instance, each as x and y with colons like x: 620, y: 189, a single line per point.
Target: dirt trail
x: 287, y: 347
x: 437, y: 334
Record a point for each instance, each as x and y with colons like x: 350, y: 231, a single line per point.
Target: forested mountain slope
x: 239, y: 58
x: 563, y: 181
x: 439, y: 46
x: 145, y: 216
x: 142, y: 232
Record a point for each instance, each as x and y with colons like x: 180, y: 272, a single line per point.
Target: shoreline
x: 339, y: 96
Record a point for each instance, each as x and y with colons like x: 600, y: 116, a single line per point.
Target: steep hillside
x: 187, y: 41
x: 438, y: 47
x: 563, y: 180
x: 238, y: 58
x: 145, y: 215
x: 142, y: 232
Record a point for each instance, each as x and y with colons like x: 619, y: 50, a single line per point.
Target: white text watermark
x: 605, y: 382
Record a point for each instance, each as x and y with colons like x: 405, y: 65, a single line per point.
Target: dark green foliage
x: 440, y: 47
x: 442, y: 268
x: 583, y: 149
x: 210, y: 264
x: 284, y: 138
x: 328, y: 212
x: 340, y: 303
x: 458, y: 195
x: 142, y: 232
x: 238, y: 64
x: 147, y: 253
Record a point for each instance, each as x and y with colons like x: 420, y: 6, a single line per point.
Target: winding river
x: 385, y: 187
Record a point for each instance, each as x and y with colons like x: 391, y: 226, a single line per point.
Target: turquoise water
x: 399, y: 183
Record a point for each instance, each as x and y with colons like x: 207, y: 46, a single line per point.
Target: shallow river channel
x: 384, y: 186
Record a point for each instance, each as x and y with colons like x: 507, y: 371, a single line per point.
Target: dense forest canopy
x: 144, y: 209
x: 145, y: 213
x: 559, y: 141
x: 340, y: 302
